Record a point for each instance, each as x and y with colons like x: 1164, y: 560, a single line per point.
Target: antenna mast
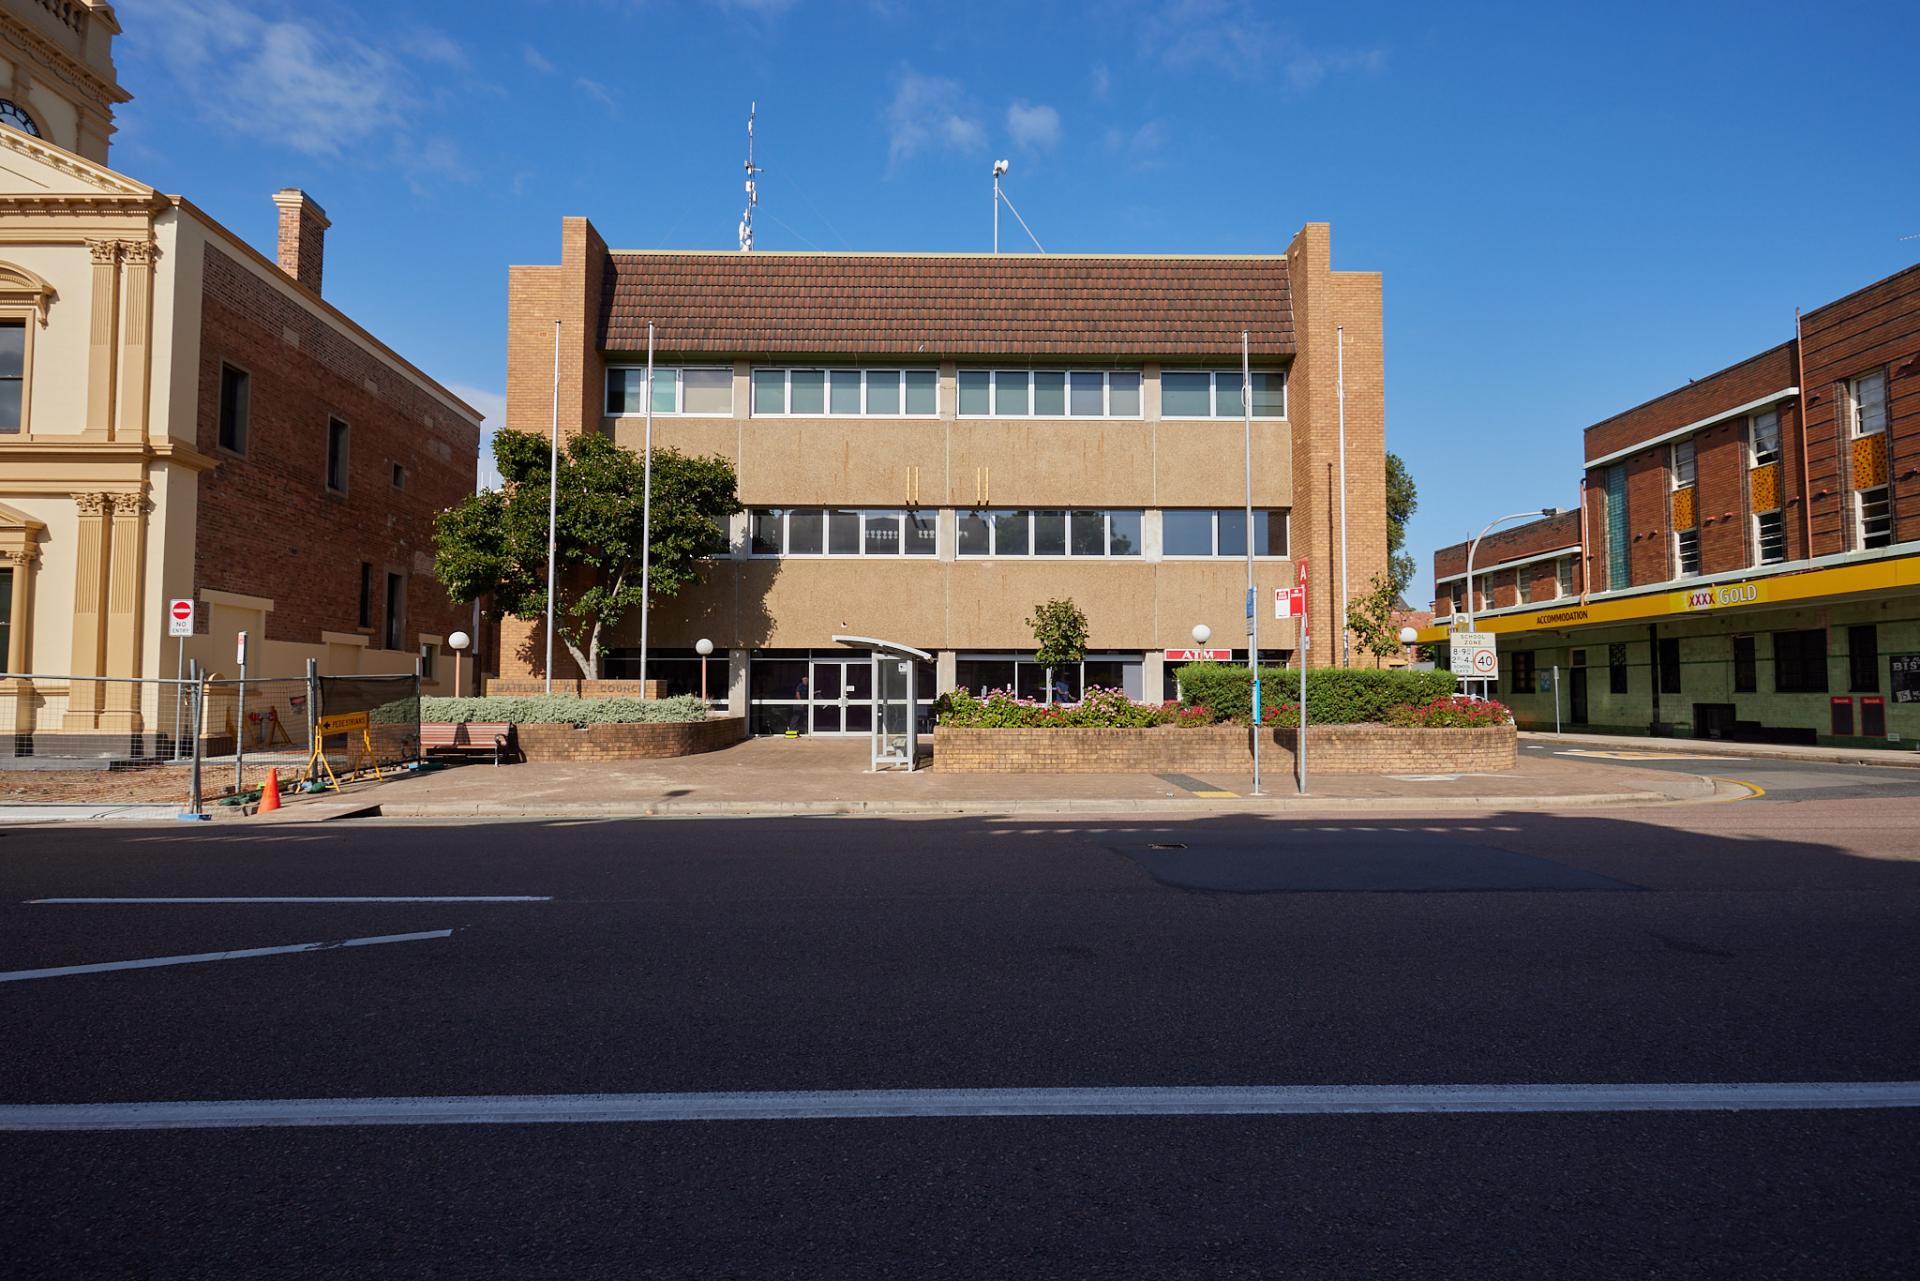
x: 753, y: 190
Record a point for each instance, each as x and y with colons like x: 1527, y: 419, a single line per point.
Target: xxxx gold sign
x: 344, y: 723
x: 1722, y: 596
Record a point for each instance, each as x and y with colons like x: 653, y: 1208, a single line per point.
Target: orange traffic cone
x: 270, y: 792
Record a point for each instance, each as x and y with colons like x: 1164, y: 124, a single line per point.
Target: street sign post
x: 1473, y: 655
x: 1300, y: 735
x: 1289, y: 602
x: 180, y: 617
x: 179, y: 626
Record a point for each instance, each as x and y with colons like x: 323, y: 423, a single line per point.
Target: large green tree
x: 495, y: 543
x: 1402, y: 501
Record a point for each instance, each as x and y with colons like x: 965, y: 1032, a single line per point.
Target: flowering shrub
x: 1455, y: 712
x: 1098, y: 709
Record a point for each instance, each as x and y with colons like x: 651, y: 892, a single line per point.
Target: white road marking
x: 338, y: 898
x: 834, y: 1105
x: 15, y: 976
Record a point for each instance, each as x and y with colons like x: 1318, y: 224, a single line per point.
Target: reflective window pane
x: 1185, y: 394
x: 845, y: 389
x: 766, y: 532
x: 777, y: 678
x: 1269, y: 395
x: 1226, y: 394
x: 1089, y: 399
x: 808, y: 391
x: 1123, y: 533
x: 10, y: 405
x: 1010, y: 533
x: 1050, y: 533
x: 13, y: 348
x: 923, y: 533
x: 882, y: 537
x: 769, y: 391
x: 706, y: 391
x: 1186, y: 533
x: 1233, y: 532
x: 843, y: 532
x: 974, y: 534
x: 1049, y: 395
x: 625, y: 389
x: 983, y: 675
x: 883, y: 392
x: 1123, y: 395
x: 1270, y: 533
x: 923, y: 392
x: 805, y: 528
x: 1030, y: 682
x: 1010, y: 393
x: 666, y: 397
x: 1089, y: 533
x: 976, y: 393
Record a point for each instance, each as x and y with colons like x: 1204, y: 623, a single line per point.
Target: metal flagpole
x: 553, y: 498
x: 646, y: 518
x: 1340, y: 386
x: 1253, y: 611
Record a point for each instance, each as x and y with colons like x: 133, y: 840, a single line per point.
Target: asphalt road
x: 1745, y: 942
x: 1780, y: 780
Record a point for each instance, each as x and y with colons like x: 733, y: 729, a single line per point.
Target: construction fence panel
x: 274, y: 713
x: 91, y: 722
x: 392, y: 706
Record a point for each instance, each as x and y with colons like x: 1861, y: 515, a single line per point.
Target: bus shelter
x: 896, y: 728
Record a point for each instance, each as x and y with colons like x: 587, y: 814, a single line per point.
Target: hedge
x: 561, y: 709
x: 1335, y: 695
x: 1098, y: 709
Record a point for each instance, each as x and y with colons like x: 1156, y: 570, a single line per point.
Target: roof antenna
x: 753, y: 190
x: 1000, y: 197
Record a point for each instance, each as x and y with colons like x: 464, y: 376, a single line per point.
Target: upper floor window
x: 1764, y: 437
x: 841, y: 531
x: 1686, y: 553
x: 1049, y: 393
x: 1222, y: 532
x: 1867, y: 403
x: 1215, y: 393
x: 676, y: 390
x: 1770, y: 537
x: 1563, y: 576
x: 336, y: 456
x: 846, y: 393
x: 1047, y: 532
x: 233, y: 408
x: 13, y: 380
x: 1682, y: 463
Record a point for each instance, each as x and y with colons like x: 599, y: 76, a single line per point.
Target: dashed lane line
x: 154, y: 962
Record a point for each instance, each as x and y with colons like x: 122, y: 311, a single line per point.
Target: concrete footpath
x: 1892, y: 757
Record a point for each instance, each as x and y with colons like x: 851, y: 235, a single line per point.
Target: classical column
x: 135, y: 357
x: 125, y: 611
x: 105, y: 334
x: 18, y: 717
x: 89, y: 611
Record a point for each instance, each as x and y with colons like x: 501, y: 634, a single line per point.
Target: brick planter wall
x: 535, y: 687
x: 628, y: 742
x: 1221, y: 749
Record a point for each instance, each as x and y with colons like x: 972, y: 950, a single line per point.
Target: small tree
x: 495, y: 543
x: 1371, y: 617
x: 1402, y: 501
x: 1059, y: 635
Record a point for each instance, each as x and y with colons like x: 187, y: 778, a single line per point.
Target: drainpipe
x: 1586, y: 553
x: 1806, y: 482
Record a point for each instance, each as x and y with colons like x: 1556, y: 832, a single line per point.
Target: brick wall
x: 1720, y: 463
x: 1757, y: 376
x: 1649, y: 517
x: 1219, y: 749
x: 628, y: 742
x: 267, y: 524
x: 1530, y: 539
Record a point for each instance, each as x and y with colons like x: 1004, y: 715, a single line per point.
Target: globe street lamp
x: 1407, y: 637
x: 703, y: 647
x: 1202, y: 634
x: 458, y: 643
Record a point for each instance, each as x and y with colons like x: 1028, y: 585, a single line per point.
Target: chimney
x: 303, y: 234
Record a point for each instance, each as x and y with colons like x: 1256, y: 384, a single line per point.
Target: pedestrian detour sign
x: 1473, y: 656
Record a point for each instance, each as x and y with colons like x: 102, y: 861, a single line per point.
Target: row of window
x: 915, y: 393
x: 1011, y: 532
x: 235, y: 398
x: 1490, y: 580
x: 1799, y: 663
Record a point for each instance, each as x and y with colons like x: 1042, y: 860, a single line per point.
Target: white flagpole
x: 1340, y: 384
x: 553, y: 498
x: 1253, y: 604
x: 646, y: 519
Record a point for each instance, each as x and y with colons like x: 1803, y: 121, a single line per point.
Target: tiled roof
x: 947, y: 305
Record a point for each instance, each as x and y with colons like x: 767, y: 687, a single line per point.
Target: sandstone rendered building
x: 183, y: 417
x: 928, y: 445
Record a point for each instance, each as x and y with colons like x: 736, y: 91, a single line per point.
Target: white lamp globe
x: 1408, y: 635
x: 1202, y: 634
x: 459, y: 640
x: 703, y: 647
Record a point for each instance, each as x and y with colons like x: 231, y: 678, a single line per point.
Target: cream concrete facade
x: 56, y: 72
x: 100, y: 484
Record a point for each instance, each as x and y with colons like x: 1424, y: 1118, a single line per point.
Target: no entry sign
x: 180, y: 617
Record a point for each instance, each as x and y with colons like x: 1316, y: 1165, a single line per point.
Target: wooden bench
x: 465, y: 737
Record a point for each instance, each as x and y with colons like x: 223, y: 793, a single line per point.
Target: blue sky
x: 1575, y: 207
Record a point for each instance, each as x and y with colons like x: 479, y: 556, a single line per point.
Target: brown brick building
x: 930, y: 444
x: 1742, y: 561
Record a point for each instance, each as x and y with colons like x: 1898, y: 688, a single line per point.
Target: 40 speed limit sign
x: 1473, y: 655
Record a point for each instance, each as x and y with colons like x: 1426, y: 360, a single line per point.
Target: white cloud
x: 1033, y: 126
x: 930, y: 111
x: 1141, y: 147
x: 597, y: 92
x: 760, y: 8
x: 494, y: 405
x: 267, y: 72
x: 1234, y: 36
x: 1102, y: 81
x: 537, y: 60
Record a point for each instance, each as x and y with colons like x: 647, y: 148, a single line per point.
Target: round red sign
x: 183, y: 609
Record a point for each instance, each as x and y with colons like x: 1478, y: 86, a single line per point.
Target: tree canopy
x: 495, y: 543
x: 1402, y: 501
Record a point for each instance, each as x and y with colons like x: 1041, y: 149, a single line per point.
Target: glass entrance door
x: 841, y: 696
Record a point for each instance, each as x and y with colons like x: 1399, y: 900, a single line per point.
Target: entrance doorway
x: 842, y: 696
x: 1577, y: 695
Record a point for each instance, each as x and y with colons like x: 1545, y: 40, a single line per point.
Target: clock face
x: 11, y: 114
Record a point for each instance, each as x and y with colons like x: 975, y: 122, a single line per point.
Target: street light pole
x: 1473, y: 546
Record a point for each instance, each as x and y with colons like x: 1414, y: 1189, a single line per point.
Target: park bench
x: 442, y: 737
